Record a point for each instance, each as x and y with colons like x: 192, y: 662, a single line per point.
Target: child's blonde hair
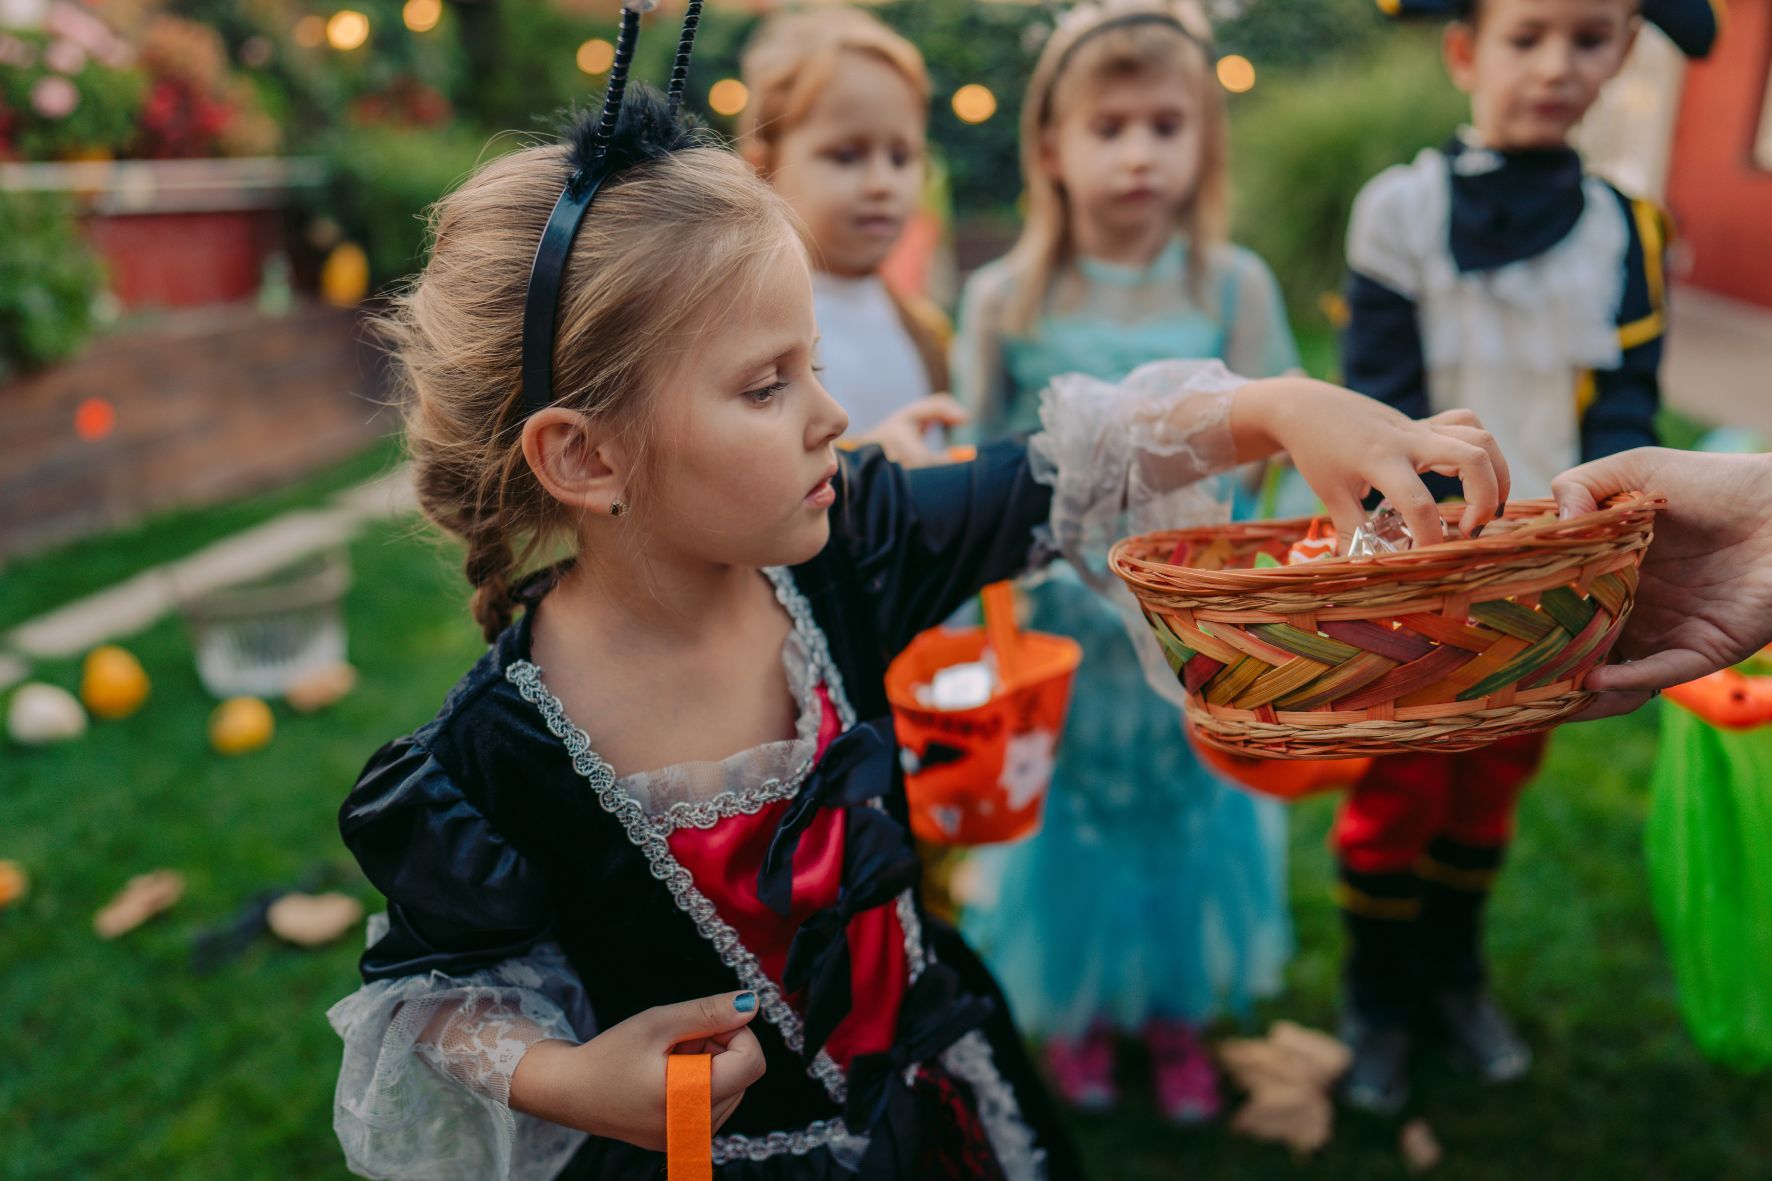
x: 1080, y: 54
x: 793, y: 57
x: 663, y: 239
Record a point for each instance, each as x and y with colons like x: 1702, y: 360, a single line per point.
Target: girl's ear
x: 1047, y: 156
x: 1458, y: 45
x: 571, y: 462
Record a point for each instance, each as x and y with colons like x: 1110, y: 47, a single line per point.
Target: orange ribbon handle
x: 689, y: 1117
x: 1004, y: 633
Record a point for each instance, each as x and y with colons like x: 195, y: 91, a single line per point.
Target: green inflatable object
x: 1709, y: 846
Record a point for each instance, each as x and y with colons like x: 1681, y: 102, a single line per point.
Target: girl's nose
x: 878, y: 177
x: 826, y: 421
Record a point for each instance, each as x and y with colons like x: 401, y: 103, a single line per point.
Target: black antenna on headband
x: 618, y: 80
x: 587, y: 154
x: 685, y: 45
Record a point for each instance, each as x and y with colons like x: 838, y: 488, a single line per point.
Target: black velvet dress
x: 890, y: 1052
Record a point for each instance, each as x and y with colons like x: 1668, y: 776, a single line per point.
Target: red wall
x: 1721, y: 201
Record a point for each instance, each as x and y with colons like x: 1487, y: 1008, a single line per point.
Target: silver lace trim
x: 748, y: 802
x: 1012, y: 1141
x: 800, y: 611
x: 832, y: 1133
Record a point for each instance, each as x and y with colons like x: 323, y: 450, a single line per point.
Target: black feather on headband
x: 630, y: 128
x: 645, y: 129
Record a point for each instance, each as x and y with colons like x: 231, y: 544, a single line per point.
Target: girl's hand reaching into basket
x: 1346, y: 444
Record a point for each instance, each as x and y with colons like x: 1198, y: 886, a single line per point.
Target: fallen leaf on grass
x: 310, y: 920
x: 14, y: 883
x: 1323, y: 1057
x: 1299, y: 1117
x: 321, y: 688
x: 1420, y: 1147
x: 143, y: 898
x: 1288, y: 1076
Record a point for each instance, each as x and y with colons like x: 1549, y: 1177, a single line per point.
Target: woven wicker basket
x: 1444, y: 648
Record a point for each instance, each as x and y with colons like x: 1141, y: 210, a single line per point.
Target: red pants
x: 1404, y: 802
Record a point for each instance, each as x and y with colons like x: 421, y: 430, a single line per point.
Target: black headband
x: 541, y: 305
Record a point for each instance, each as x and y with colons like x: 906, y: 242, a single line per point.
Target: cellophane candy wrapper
x: 1385, y: 532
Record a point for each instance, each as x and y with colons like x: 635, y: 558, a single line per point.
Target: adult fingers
x: 1659, y: 670
x: 1611, y: 705
x: 1583, y: 489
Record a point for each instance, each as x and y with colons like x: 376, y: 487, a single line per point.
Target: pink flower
x: 54, y: 97
x: 16, y: 52
x: 77, y: 25
x: 64, y: 57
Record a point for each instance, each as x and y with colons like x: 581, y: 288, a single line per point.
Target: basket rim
x: 1623, y: 513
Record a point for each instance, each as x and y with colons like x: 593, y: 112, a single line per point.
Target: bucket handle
x: 689, y: 1117
x: 1001, y: 630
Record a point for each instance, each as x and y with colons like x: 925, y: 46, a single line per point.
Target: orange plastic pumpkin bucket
x: 979, y: 776
x: 1738, y: 698
x: 1286, y: 779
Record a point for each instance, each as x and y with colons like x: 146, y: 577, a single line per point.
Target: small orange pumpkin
x: 1728, y: 698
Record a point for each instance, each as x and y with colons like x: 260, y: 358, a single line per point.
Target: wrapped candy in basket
x: 978, y: 713
x: 1443, y: 647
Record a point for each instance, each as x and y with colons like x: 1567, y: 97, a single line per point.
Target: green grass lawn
x: 121, y: 1063
x: 42, y: 582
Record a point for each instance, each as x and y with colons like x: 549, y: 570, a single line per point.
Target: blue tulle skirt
x: 1154, y: 888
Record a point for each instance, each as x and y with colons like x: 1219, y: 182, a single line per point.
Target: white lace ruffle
x: 424, y: 1091
x: 1133, y: 458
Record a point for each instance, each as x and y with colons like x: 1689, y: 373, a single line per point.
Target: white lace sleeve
x: 425, y: 1088
x: 1132, y: 458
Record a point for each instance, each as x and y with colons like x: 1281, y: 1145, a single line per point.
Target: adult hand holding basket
x: 1443, y: 648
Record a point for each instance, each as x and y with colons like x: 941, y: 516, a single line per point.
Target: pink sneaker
x: 1082, y: 1069
x: 1186, y: 1080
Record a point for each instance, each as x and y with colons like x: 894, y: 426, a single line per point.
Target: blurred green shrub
x: 49, y: 278
x: 382, y: 178
x: 1303, y: 146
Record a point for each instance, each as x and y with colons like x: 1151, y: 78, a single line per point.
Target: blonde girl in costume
x: 1155, y: 899
x: 836, y: 122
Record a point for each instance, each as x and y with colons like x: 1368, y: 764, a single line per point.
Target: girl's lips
x: 879, y: 227
x: 824, y: 493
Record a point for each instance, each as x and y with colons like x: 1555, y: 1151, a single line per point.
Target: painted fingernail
x: 745, y: 1002
x: 1478, y: 531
